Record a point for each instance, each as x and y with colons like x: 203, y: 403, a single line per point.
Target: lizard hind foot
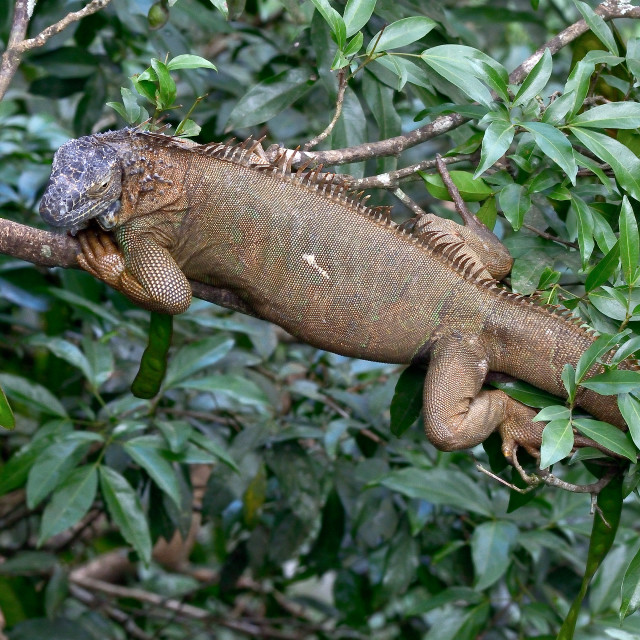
x: 519, y: 430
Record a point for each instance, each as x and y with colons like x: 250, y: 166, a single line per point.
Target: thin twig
x: 180, y: 609
x: 11, y: 58
x: 461, y: 206
x: 507, y: 484
x: 33, y: 43
x: 94, y: 602
x: 542, y: 475
x: 548, y: 236
x: 391, y: 179
x: 342, y: 87
x: 17, y: 45
x: 409, y: 202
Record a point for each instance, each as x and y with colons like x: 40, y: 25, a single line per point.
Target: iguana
x: 298, y: 250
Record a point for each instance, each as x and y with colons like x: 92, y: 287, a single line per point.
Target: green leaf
x: 353, y: 46
x: 615, y: 381
x: 459, y: 72
x: 629, y: 407
x: 7, y: 419
x: 554, y: 145
x: 126, y: 511
x: 189, y: 61
x: 625, y: 350
x: 598, y: 26
x: 132, y: 108
x: 569, y: 380
x: 52, y: 467
x: 603, y: 344
x: 605, y: 525
x: 604, y: 270
x: 609, y: 301
x: 471, y: 189
x: 32, y: 394
x: 401, y: 33
x: 70, y: 502
x: 491, y: 544
x: 526, y: 393
x: 557, y: 442
x: 536, y: 80
x: 406, y: 70
x: 585, y: 228
x: 613, y: 115
x: 64, y: 350
x: 558, y: 109
x: 197, y: 356
x: 624, y: 163
x: 554, y: 412
x: 578, y: 85
x: 514, y: 202
x: 629, y: 242
x: 147, y: 451
x: 631, y: 588
x: 234, y: 386
x: 269, y: 97
x: 167, y: 91
x: 608, y: 436
x: 212, y: 447
x: 488, y: 213
x: 498, y: 79
x: 439, y: 486
x: 221, y: 5
x: 497, y: 139
x: 357, y: 14
x: 548, y: 278
x: 13, y: 473
x: 334, y: 20
x: 254, y: 497
x: 407, y: 400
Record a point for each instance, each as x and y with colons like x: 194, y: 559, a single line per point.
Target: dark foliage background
x: 317, y: 521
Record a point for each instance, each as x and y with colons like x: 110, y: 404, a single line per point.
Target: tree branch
x: 17, y: 44
x: 48, y: 249
x: 394, y: 146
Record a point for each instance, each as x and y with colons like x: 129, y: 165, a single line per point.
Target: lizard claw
x: 101, y: 257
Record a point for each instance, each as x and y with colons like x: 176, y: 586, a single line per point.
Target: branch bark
x: 48, y: 249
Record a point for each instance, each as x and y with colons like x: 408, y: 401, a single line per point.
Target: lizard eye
x: 100, y: 187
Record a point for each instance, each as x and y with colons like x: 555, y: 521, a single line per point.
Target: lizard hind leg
x: 484, y: 247
x: 459, y: 414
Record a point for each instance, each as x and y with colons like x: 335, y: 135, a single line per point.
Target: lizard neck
x: 151, y: 182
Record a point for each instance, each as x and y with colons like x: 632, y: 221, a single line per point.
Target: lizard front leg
x: 146, y: 274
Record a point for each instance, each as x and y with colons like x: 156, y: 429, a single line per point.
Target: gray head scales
x: 85, y: 183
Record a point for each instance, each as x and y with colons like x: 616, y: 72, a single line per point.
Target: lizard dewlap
x: 300, y: 252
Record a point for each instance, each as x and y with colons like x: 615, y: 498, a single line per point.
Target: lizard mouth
x: 109, y: 218
x: 74, y: 216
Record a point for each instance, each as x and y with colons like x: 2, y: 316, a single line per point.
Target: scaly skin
x: 331, y: 271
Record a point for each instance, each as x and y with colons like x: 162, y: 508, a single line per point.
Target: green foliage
x: 323, y: 495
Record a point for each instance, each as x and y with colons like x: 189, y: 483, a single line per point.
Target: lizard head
x: 85, y: 184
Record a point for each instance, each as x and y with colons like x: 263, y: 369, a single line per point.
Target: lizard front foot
x: 101, y: 257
